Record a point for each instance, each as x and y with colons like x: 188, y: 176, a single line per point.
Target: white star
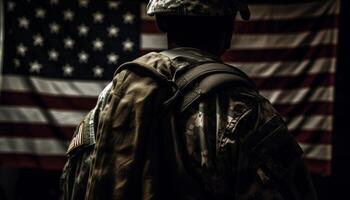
x: 83, y: 3
x: 68, y: 15
x: 21, y: 49
x: 128, y: 18
x: 98, y: 17
x: 16, y: 62
x: 53, y: 55
x: 11, y: 5
x: 113, y: 31
x: 40, y: 13
x: 23, y: 22
x: 112, y: 58
x: 54, y: 27
x: 35, y: 67
x: 83, y: 57
x: 128, y: 45
x: 83, y: 30
x: 98, y: 71
x: 97, y: 44
x: 68, y: 43
x: 54, y: 2
x: 38, y: 40
x: 67, y: 70
x: 113, y: 4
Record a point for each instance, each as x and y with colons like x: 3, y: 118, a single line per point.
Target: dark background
x: 38, y: 184
x: 341, y: 138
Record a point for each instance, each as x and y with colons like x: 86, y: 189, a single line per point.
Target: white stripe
x: 305, y: 67
x: 42, y: 147
x: 282, y: 11
x: 294, y: 96
x: 153, y: 41
x: 52, y: 86
x: 38, y: 116
x: 72, y: 118
x: 256, y: 41
x: 317, y: 151
x: 290, y: 40
x: 294, y: 11
x: 310, y: 123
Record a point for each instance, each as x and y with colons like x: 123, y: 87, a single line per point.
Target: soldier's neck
x: 172, y: 45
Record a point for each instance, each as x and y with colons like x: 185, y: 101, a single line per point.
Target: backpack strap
x: 194, y: 80
x: 205, y: 78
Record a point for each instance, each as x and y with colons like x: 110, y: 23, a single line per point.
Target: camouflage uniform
x: 233, y: 143
x: 236, y: 145
x: 198, y: 7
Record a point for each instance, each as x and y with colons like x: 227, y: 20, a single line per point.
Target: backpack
x: 188, y: 85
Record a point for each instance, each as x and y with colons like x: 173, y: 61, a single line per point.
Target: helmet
x: 198, y: 8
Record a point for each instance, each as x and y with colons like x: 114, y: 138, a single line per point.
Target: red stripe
x: 47, y: 102
x: 280, y: 54
x: 149, y: 26
x: 269, y: 26
x: 319, y: 166
x: 57, y: 162
x: 305, y: 108
x: 35, y: 131
x: 32, y: 161
x: 275, y: 2
x: 313, y: 137
x: 312, y: 81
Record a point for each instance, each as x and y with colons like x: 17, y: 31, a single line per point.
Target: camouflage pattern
x: 198, y: 7
x: 229, y: 121
x: 235, y: 144
x: 76, y: 171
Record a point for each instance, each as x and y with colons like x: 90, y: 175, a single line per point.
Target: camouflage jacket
x: 232, y: 144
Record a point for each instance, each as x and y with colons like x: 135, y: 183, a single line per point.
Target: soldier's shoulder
x: 152, y: 58
x: 253, y: 110
x: 258, y: 104
x: 246, y: 97
x: 152, y: 61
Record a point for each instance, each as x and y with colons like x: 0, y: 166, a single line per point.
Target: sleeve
x: 275, y: 158
x: 120, y: 166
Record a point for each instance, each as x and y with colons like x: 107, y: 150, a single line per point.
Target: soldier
x: 228, y: 144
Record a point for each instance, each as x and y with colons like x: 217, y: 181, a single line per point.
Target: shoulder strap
x: 205, y: 78
x: 195, y: 81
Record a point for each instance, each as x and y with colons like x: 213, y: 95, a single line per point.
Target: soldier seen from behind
x: 181, y: 124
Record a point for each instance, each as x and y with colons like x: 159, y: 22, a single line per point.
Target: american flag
x: 51, y: 77
x: 59, y: 54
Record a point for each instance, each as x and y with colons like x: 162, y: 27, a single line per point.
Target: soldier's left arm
x: 121, y: 167
x: 281, y: 157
